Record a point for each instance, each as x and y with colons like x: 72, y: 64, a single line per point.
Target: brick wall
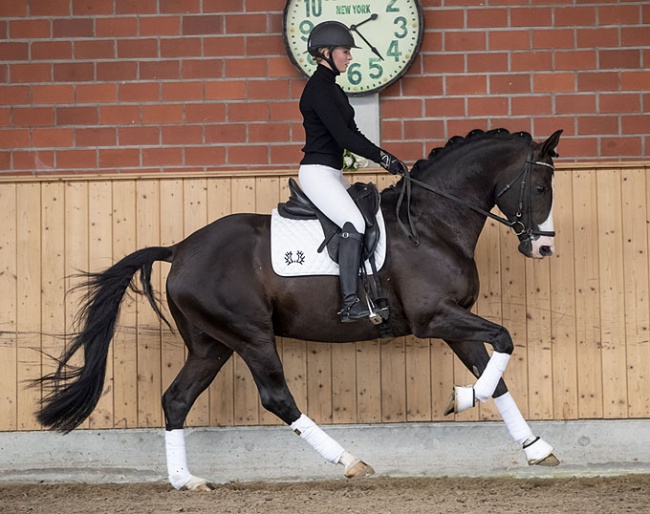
x: 163, y: 85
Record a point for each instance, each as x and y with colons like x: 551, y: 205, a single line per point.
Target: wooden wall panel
x: 100, y: 256
x: 8, y: 323
x: 563, y: 306
x: 28, y: 311
x: 587, y: 287
x: 636, y: 217
x: 579, y: 320
x: 125, y: 350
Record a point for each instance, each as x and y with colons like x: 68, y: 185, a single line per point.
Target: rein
x: 521, y: 231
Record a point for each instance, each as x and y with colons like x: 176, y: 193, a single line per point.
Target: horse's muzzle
x: 537, y: 248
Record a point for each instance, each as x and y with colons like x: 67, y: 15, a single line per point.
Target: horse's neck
x: 470, y: 184
x: 436, y: 218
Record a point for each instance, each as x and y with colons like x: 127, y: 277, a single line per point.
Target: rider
x: 328, y: 119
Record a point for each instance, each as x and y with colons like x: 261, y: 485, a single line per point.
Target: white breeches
x: 327, y: 188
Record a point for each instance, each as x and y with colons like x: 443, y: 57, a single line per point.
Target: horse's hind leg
x: 266, y: 368
x: 206, y: 357
x: 475, y: 357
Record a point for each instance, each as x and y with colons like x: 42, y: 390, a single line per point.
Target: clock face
x: 387, y: 32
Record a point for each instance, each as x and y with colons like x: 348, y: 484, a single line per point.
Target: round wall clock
x: 388, y: 32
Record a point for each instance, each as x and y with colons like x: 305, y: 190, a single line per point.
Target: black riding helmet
x: 329, y: 34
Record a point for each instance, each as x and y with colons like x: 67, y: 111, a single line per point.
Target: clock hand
x: 374, y: 50
x: 372, y: 17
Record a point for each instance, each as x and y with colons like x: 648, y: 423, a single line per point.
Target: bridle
x: 520, y: 227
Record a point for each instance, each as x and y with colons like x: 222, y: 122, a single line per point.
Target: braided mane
x: 456, y: 142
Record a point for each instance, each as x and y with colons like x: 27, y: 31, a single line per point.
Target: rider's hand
x: 392, y: 164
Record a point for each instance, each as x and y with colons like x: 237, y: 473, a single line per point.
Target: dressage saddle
x: 365, y: 196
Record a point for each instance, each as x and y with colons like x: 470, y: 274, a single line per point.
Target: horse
x: 225, y: 298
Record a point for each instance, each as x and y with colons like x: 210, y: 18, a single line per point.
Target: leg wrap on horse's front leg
x: 517, y: 426
x: 465, y: 397
x: 331, y: 450
x: 537, y: 450
x: 487, y: 382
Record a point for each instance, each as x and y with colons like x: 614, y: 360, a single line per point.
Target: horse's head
x: 526, y: 198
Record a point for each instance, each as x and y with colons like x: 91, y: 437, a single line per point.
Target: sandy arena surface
x: 617, y: 494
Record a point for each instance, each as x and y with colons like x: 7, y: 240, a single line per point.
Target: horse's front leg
x: 537, y: 450
x: 476, y: 359
x: 454, y: 323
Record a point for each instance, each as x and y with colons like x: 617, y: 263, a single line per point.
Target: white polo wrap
x: 178, y: 474
x: 319, y: 440
x: 488, y: 381
x: 517, y: 426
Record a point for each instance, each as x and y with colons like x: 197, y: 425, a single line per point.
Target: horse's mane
x: 457, y: 142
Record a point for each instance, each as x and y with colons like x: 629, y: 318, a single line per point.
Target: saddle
x: 367, y: 199
x: 365, y: 196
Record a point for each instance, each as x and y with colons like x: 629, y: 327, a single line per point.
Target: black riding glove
x: 392, y: 164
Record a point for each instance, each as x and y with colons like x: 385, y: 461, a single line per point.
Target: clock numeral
x: 305, y: 28
x: 400, y: 21
x: 391, y: 6
x: 393, y: 50
x: 376, y: 70
x: 313, y: 7
x: 354, y: 75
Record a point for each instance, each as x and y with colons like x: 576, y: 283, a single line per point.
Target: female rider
x: 328, y: 119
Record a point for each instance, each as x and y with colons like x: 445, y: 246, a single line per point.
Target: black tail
x: 73, y: 391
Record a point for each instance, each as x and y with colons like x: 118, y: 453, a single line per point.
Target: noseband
x: 520, y: 227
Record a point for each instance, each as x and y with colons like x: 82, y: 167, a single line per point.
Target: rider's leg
x: 327, y: 188
x: 349, y: 261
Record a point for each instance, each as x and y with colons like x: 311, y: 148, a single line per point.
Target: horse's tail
x: 73, y: 391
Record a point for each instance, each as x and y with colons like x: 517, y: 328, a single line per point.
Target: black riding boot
x: 349, y: 261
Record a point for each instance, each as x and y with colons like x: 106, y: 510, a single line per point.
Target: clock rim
x: 378, y: 89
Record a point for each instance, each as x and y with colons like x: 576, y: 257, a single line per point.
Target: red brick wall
x: 130, y: 85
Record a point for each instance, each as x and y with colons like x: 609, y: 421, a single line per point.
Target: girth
x: 365, y: 196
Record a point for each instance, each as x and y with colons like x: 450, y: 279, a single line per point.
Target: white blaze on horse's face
x: 544, y: 246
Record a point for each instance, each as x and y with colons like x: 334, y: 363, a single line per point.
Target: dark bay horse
x: 225, y: 297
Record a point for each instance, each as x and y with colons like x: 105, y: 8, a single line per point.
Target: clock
x: 387, y: 32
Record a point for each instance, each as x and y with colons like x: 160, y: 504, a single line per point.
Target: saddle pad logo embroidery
x: 294, y: 248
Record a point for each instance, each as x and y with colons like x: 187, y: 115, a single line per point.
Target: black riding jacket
x: 328, y: 119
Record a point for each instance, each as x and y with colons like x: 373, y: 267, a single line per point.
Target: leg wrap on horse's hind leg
x: 319, y: 440
x: 487, y: 383
x: 517, y: 426
x: 177, y: 471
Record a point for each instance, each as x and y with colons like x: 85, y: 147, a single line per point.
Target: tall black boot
x: 349, y: 261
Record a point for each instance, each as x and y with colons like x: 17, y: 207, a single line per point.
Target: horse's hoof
x: 198, y: 485
x: 451, y: 404
x: 540, y: 453
x: 462, y: 398
x: 359, y: 469
x: 549, y: 461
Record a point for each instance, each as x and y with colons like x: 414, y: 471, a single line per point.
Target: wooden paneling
x: 579, y: 320
x: 8, y: 321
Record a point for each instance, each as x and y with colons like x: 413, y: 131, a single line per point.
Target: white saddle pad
x: 294, y: 248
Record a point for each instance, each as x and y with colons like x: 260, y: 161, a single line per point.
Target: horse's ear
x: 548, y: 147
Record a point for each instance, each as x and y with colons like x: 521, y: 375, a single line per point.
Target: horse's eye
x: 541, y: 190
